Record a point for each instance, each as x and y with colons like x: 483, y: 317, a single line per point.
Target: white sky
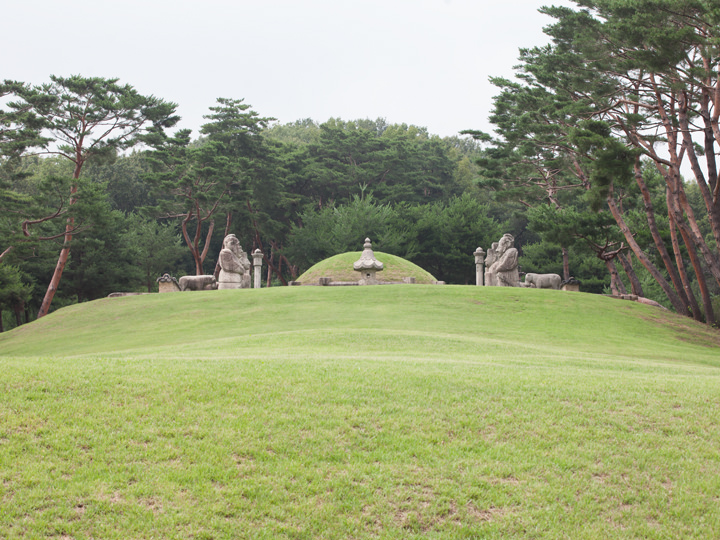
x: 422, y: 62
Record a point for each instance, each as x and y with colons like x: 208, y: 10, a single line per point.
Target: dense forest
x: 602, y: 164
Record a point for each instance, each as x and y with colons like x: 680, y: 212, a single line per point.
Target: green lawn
x: 360, y: 412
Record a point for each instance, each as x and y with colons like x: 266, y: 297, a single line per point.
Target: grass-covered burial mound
x: 340, y: 268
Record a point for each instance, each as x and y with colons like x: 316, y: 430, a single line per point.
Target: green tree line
x: 585, y: 168
x: 596, y: 132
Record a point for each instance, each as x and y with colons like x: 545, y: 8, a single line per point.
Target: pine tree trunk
x: 566, y: 263
x: 192, y: 245
x: 687, y: 224
x: 55, y: 281
x: 704, y: 294
x: 617, y: 287
x: 635, y: 285
x: 702, y: 283
x: 643, y: 258
x: 62, y: 259
x: 711, y: 203
x: 65, y: 251
x: 657, y: 239
x: 208, y: 237
x: 692, y: 301
x: 18, y: 308
x: 8, y: 250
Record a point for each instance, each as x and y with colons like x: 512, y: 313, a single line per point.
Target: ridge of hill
x: 365, y: 320
x: 398, y: 411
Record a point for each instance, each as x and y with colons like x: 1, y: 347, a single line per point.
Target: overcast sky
x: 422, y: 62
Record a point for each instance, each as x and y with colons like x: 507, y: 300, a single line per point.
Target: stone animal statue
x: 197, y: 283
x: 543, y: 281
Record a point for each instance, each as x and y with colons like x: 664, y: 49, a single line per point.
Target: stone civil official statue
x: 502, y: 264
x: 234, y: 265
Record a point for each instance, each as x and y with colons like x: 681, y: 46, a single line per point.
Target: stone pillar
x: 257, y: 266
x: 479, y: 266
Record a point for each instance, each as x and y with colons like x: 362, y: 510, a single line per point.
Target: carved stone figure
x: 234, y: 265
x: 502, y: 264
x: 490, y: 258
x: 543, y: 281
x: 197, y: 283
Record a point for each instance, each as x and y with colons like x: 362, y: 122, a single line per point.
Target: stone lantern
x: 368, y: 265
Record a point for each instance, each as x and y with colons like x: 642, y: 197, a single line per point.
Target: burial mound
x: 340, y: 268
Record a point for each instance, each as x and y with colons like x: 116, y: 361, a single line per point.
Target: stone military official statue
x: 502, y: 264
x: 234, y: 265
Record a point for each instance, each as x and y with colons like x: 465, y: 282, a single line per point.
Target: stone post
x: 479, y: 266
x: 257, y: 267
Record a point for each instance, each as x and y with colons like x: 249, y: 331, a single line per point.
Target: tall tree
x: 626, y: 83
x: 656, y: 59
x: 19, y: 129
x: 87, y: 118
x: 193, y: 182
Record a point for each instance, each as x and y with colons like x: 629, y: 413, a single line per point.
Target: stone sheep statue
x: 197, y: 283
x: 543, y: 281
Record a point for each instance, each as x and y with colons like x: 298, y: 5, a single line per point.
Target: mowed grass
x: 360, y: 412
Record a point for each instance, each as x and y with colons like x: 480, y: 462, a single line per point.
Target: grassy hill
x: 405, y: 411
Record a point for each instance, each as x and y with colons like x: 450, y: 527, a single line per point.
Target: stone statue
x: 502, y: 264
x: 543, y: 281
x: 197, y: 283
x: 234, y: 265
